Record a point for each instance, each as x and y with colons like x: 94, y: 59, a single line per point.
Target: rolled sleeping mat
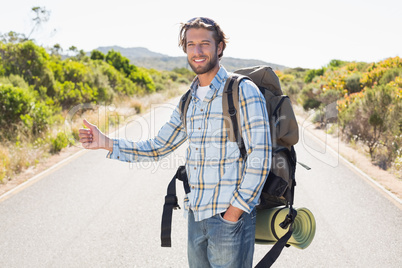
x: 268, y: 230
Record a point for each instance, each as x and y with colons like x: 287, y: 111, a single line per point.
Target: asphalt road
x: 96, y: 212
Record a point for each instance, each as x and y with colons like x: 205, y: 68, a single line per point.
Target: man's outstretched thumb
x: 89, y: 125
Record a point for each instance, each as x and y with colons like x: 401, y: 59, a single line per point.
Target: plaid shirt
x: 217, y: 175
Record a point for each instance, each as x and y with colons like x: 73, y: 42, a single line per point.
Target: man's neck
x: 206, y: 79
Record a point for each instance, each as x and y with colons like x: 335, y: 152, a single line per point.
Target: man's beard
x: 205, y: 69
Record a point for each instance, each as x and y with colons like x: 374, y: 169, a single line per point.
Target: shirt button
x: 199, y: 128
x: 196, y: 149
x: 202, y: 110
x: 118, y: 157
x: 192, y: 187
x: 195, y: 168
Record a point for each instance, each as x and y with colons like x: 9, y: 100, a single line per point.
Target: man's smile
x: 199, y: 60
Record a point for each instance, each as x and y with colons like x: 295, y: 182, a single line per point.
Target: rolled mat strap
x: 268, y: 230
x: 273, y: 223
x: 275, y: 251
x: 277, y: 226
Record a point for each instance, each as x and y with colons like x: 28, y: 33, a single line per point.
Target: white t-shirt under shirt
x: 202, y: 92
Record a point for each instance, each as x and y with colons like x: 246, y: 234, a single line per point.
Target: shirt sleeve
x: 257, y: 140
x: 169, y: 138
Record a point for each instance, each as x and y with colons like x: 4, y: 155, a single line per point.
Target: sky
x: 294, y: 33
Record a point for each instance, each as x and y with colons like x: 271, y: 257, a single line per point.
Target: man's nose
x: 198, y: 49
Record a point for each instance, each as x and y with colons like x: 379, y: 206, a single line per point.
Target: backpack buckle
x: 171, y: 199
x: 289, y: 219
x: 232, y: 112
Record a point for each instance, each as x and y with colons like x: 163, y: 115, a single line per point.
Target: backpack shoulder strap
x: 231, y: 114
x: 184, y: 103
x: 171, y: 203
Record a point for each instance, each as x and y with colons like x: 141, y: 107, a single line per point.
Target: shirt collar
x: 216, y: 83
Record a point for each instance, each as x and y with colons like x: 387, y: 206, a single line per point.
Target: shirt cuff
x: 115, y: 154
x: 238, y: 202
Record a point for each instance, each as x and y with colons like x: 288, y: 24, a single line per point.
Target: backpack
x: 279, y: 186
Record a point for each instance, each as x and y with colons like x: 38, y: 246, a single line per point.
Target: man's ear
x: 220, y: 48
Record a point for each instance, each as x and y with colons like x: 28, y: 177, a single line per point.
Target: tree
x: 73, y: 49
x: 41, y: 15
x: 119, y: 62
x: 336, y: 63
x: 12, y: 37
x: 30, y: 62
x: 313, y: 73
x: 56, y: 50
x: 97, y: 55
x: 368, y: 118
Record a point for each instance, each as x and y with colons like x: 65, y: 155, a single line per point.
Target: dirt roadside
x: 41, y: 167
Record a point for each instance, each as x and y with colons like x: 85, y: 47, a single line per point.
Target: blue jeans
x: 216, y: 242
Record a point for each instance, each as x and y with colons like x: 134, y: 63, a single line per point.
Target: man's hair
x: 205, y: 23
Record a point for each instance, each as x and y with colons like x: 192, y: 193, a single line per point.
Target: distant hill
x: 133, y: 52
x: 143, y: 57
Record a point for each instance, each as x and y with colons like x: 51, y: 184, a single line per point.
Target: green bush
x: 329, y: 96
x: 117, y: 81
x: 143, y: 79
x: 390, y: 75
x: 75, y: 72
x: 292, y: 90
x: 100, y: 81
x: 352, y: 83
x: 97, y: 55
x: 159, y: 87
x: 309, y: 97
x: 20, y: 105
x: 318, y: 116
x: 174, y: 76
x: 293, y: 82
x: 119, y: 62
x: 336, y: 63
x: 370, y: 119
x: 183, y: 80
x: 4, y: 163
x: 14, y: 80
x: 311, y: 104
x: 184, y: 72
x: 60, y: 142
x: 70, y: 94
x: 14, y: 103
x: 313, y: 73
x: 2, y: 70
x: 29, y: 61
x: 286, y: 78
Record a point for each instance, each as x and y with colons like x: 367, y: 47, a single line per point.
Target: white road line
x: 41, y: 174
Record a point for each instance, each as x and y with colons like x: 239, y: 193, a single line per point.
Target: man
x: 225, y: 188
